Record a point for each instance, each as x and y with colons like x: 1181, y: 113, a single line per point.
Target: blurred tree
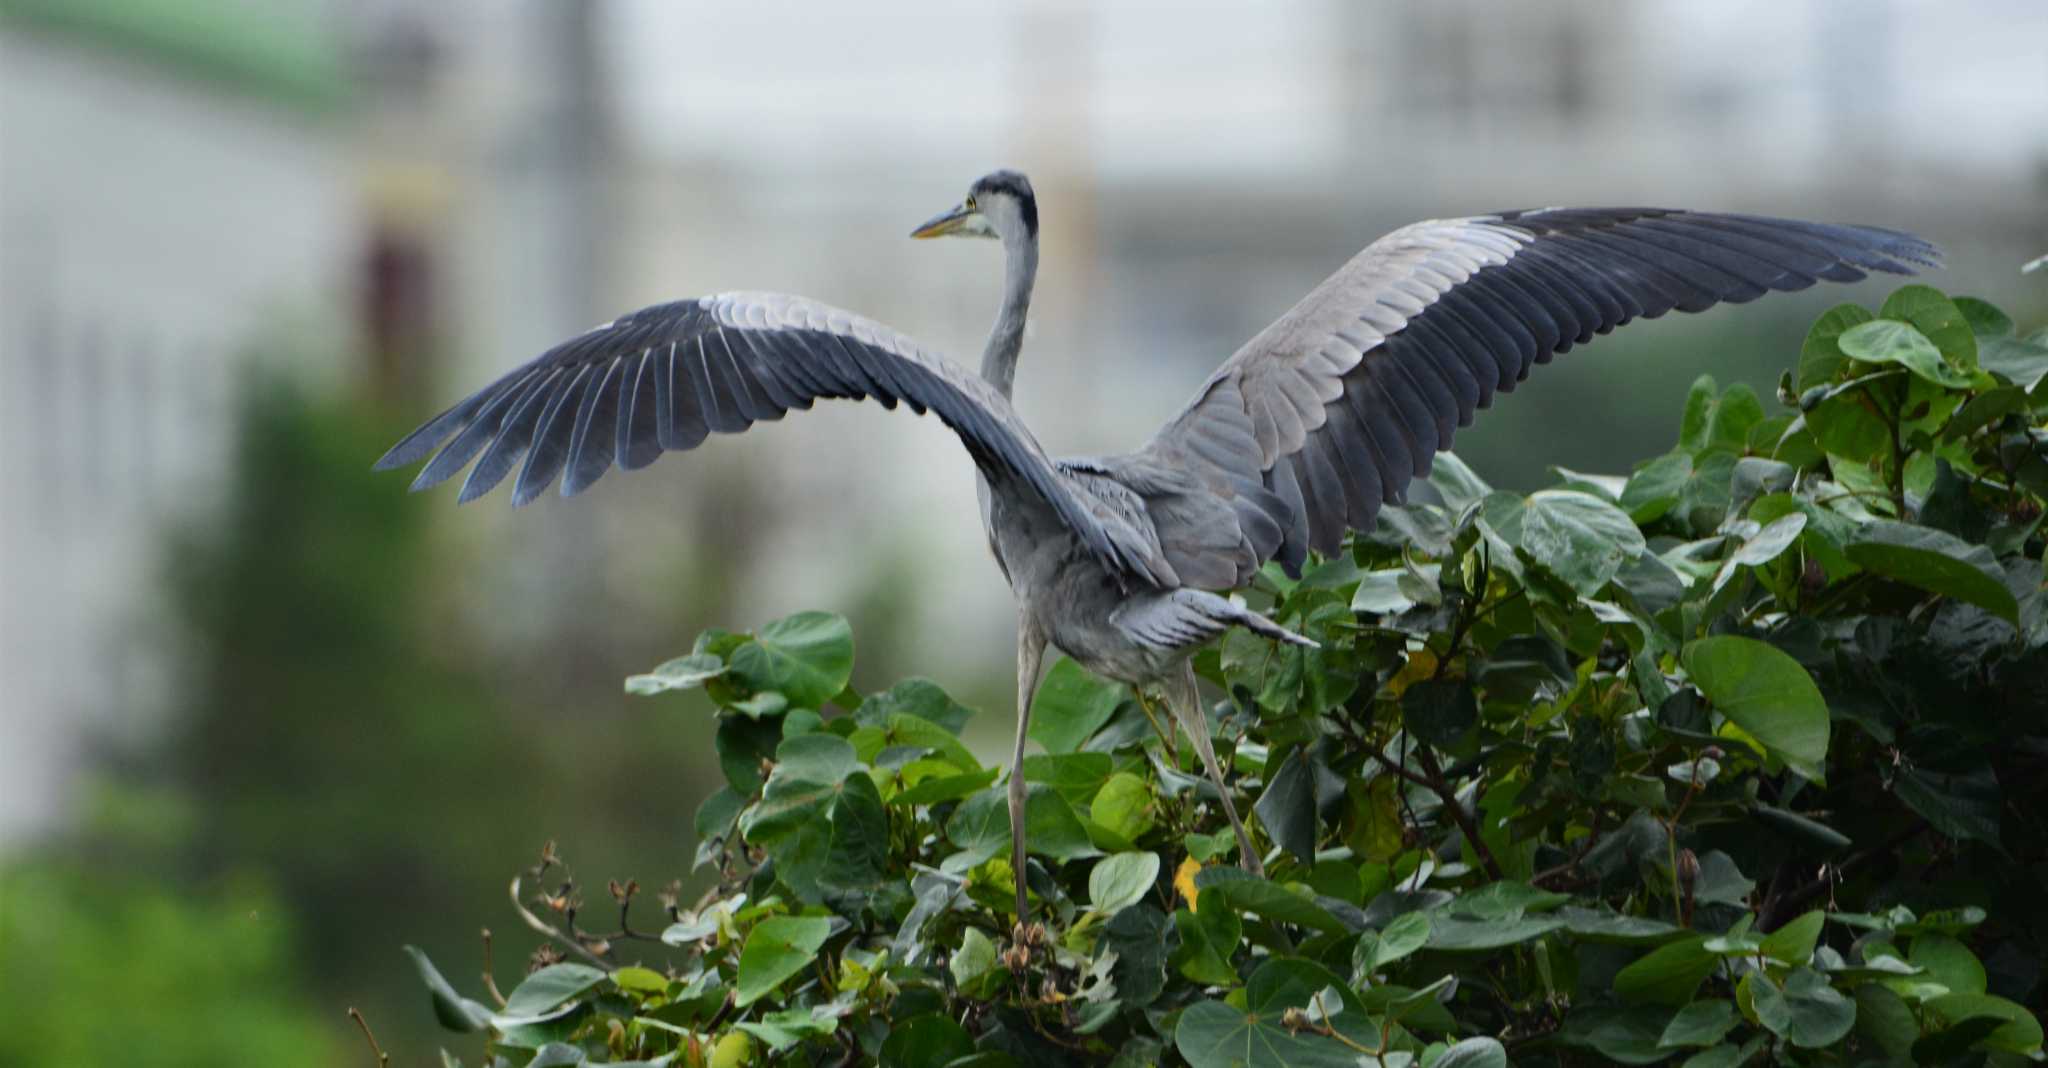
x: 98, y: 968
x: 333, y: 736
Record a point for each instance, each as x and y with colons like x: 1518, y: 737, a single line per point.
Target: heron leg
x: 1030, y: 652
x: 1186, y: 703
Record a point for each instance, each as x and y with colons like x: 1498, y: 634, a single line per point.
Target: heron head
x: 999, y: 204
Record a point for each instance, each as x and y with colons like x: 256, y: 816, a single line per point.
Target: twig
x: 1585, y: 847
x: 1397, y: 769
x: 490, y: 982
x: 543, y: 927
x: 1444, y: 790
x: 383, y: 1058
x: 1780, y: 906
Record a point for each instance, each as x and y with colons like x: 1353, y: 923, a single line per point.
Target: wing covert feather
x: 1345, y: 398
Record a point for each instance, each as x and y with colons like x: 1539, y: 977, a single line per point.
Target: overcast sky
x: 1258, y: 87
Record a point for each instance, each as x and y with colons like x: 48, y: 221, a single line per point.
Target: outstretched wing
x: 666, y: 377
x: 1344, y: 399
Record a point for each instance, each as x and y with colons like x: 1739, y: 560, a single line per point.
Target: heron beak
x: 960, y: 218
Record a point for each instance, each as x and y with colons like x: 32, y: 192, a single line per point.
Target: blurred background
x: 264, y: 717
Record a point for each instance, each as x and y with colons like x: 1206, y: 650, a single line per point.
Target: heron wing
x: 1340, y: 402
x: 665, y: 378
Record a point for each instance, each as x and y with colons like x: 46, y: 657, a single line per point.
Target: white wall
x: 149, y: 225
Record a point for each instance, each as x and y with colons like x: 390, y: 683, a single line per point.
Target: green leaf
x: 1076, y: 776
x: 1734, y: 413
x: 906, y: 729
x: 1051, y: 827
x: 932, y: 1040
x: 776, y: 949
x: 1807, y: 831
x: 1124, y: 807
x: 1459, y: 486
x: 1884, y: 1019
x: 1655, y: 486
x: 1119, y: 881
x: 1893, y: 342
x: 1438, y: 711
x: 1767, y: 694
x: 1382, y: 593
x: 784, y: 1028
x: 919, y: 697
x: 1949, y: 962
x: 1935, y: 561
x: 1622, y: 930
x: 821, y: 818
x: 1702, y: 1023
x: 640, y: 980
x: 455, y: 1012
x: 1246, y: 892
x: 1473, y: 1053
x: 1668, y: 975
x: 1287, y: 808
x: 1404, y: 935
x: 1937, y: 317
x: 742, y: 744
x: 1208, y: 939
x: 1623, y: 1035
x: 981, y: 826
x: 941, y: 788
x: 1806, y: 1011
x: 682, y: 673
x: 1137, y: 935
x: 807, y: 658
x: 1214, y: 1034
x: 550, y: 987
x: 809, y: 770
x: 1721, y: 882
x: 1506, y: 900
x: 975, y: 958
x: 1820, y: 357
x: 1793, y: 943
x: 1985, y: 320
x: 2020, y: 1033
x: 1762, y: 547
x: 1576, y: 536
x: 1719, y: 1057
x: 1205, y: 847
x: 1453, y: 934
x: 557, y: 1055
x: 1070, y: 706
x: 2022, y: 363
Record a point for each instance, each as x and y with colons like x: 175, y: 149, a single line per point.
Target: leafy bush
x: 1736, y: 758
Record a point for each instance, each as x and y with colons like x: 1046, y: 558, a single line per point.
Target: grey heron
x: 1303, y: 434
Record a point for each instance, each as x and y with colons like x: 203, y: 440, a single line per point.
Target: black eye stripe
x: 1014, y: 185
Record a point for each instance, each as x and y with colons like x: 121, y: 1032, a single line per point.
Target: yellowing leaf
x: 1184, y: 879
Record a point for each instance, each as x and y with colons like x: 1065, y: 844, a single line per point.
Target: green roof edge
x: 272, y: 58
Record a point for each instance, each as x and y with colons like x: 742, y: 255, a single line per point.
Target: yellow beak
x: 960, y: 217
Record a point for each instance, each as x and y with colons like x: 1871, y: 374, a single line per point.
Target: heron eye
x: 971, y: 206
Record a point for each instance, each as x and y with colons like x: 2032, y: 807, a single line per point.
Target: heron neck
x: 1006, y: 338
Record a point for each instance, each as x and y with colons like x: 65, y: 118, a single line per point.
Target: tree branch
x: 542, y: 926
x: 1449, y: 794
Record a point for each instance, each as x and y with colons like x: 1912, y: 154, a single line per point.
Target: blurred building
x: 174, y: 182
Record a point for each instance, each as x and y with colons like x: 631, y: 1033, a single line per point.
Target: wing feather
x: 666, y: 377
x: 1341, y: 401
